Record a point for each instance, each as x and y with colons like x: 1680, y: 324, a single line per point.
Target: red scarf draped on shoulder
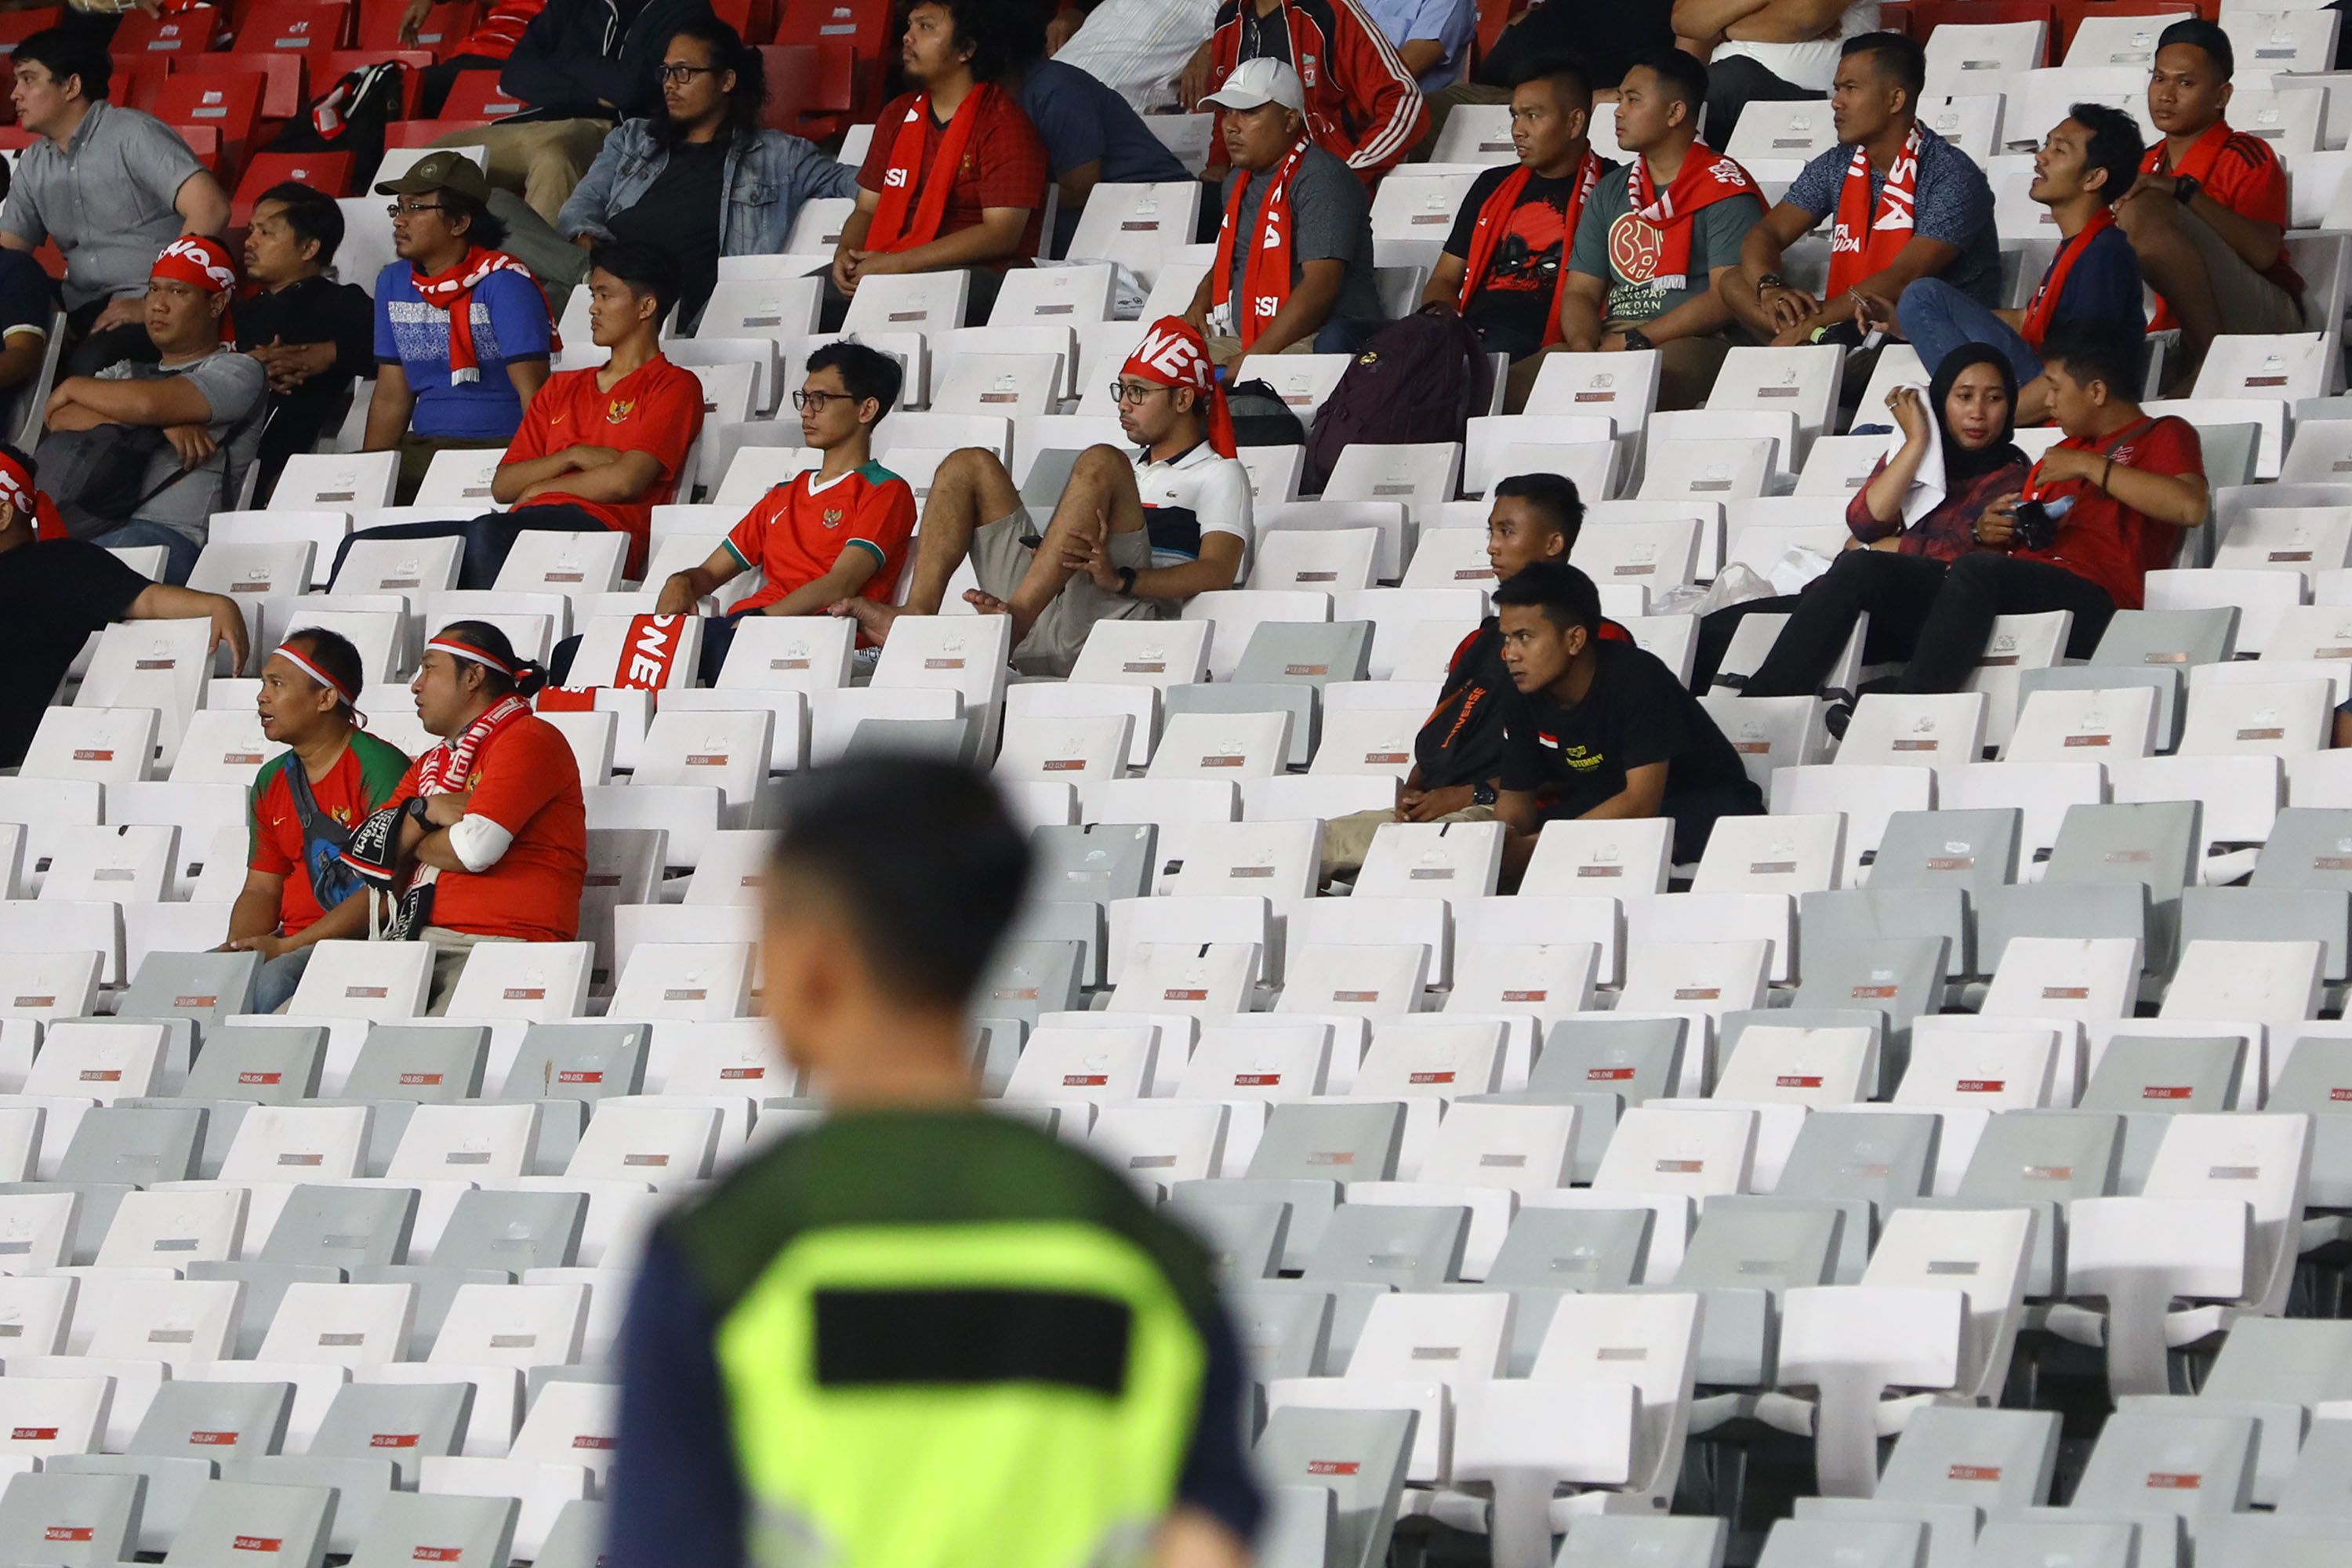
x: 1495, y: 217
x: 1707, y: 177
x: 924, y: 191
x: 2053, y: 282
x: 1862, y: 246
x: 453, y: 292
x: 1266, y: 274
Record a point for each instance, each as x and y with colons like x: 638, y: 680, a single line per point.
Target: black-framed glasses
x: 802, y: 399
x: 398, y: 209
x: 684, y: 74
x: 1123, y: 391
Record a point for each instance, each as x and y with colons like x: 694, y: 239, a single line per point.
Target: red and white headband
x: 457, y: 649
x: 295, y: 657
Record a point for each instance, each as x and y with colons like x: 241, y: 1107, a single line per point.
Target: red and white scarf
x: 1862, y: 246
x: 925, y: 192
x: 1266, y: 274
x: 453, y: 292
x: 648, y: 651
x: 1494, y: 218
x: 1707, y: 177
x: 2053, y: 282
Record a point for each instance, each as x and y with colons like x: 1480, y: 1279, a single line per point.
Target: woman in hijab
x: 1923, y: 499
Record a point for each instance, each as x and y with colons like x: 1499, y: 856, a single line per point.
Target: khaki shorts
x: 2248, y: 303
x: 1000, y: 554
x: 450, y: 950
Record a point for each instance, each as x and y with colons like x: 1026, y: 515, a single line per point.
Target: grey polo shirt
x: 106, y: 199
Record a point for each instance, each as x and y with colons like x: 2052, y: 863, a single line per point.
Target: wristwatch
x: 1635, y: 338
x: 1125, y: 582
x: 2185, y: 188
x: 1771, y: 280
x: 1482, y: 793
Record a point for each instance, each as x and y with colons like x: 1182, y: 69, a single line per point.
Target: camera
x: 2037, y: 522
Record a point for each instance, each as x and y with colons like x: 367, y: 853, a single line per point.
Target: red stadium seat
x: 792, y: 84
x: 336, y: 63
x: 755, y: 19
x: 204, y: 141
x: 852, y: 39
x: 138, y: 79
x: 475, y: 95
x: 182, y: 32
x: 443, y: 30
x: 424, y: 133
x: 329, y: 172
x: 285, y: 82
x: 229, y: 102
x: 298, y: 25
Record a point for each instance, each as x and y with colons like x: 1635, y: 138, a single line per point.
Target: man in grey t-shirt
x: 110, y: 185
x: 1330, y: 301
x: 206, y: 398
x: 1631, y: 284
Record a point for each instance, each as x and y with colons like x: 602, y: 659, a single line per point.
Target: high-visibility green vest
x: 948, y: 1340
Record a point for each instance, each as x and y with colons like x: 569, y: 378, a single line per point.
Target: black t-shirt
x: 311, y: 312
x: 679, y: 213
x: 1636, y: 713
x: 1606, y: 37
x: 53, y: 594
x: 1523, y: 272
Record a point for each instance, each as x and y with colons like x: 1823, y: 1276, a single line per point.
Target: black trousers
x: 487, y: 538
x: 1935, y: 619
x: 1733, y: 84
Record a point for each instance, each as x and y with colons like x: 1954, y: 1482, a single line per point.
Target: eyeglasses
x: 401, y: 209
x: 802, y: 399
x: 684, y: 74
x: 1127, y: 393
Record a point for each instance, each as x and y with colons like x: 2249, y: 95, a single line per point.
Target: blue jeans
x: 180, y: 550
x: 1938, y: 318
x: 273, y: 982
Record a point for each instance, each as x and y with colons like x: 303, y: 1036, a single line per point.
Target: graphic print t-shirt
x: 1523, y: 273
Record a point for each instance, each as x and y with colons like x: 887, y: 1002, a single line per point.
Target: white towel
x: 1928, y: 488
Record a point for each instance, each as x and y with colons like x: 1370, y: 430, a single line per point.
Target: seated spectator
x: 312, y: 336
x: 2207, y: 217
x: 1652, y: 250
x: 1953, y: 457
x: 600, y: 448
x: 207, y: 400
x: 1092, y: 136
x: 581, y: 65
x: 2085, y: 164
x: 1146, y: 51
x: 956, y: 176
x: 1504, y: 265
x: 2100, y: 508
x: 1293, y: 270
x: 113, y: 185
x: 1767, y: 53
x: 486, y: 837
x: 463, y: 331
x: 1594, y: 728
x: 1603, y: 40
x: 306, y: 801
x: 1363, y: 106
x: 837, y: 533
x: 1906, y: 204
x: 1532, y: 518
x: 1432, y: 38
x: 1134, y: 537
x: 55, y: 591
x: 701, y: 178
x: 487, y: 47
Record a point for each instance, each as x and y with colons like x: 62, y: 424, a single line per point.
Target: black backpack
x: 350, y: 117
x: 1261, y: 418
x: 1420, y: 379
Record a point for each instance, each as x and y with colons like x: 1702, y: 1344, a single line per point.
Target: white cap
x: 1257, y: 83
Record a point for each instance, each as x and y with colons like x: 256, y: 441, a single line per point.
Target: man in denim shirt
x: 702, y: 180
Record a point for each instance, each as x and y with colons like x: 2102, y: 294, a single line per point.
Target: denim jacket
x: 765, y: 184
